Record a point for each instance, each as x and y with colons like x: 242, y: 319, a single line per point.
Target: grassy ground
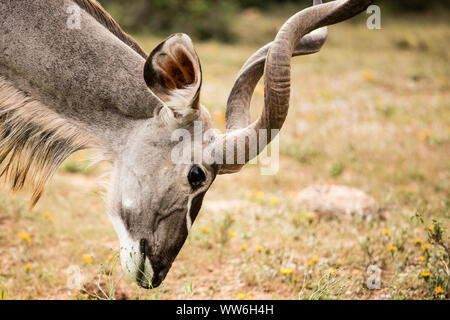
x: 371, y: 111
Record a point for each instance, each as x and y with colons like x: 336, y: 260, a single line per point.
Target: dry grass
x: 371, y: 111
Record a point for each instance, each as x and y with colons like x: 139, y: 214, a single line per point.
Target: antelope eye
x: 196, y: 177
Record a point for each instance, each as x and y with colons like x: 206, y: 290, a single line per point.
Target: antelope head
x: 153, y: 199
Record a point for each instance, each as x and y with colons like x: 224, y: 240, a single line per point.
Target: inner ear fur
x: 173, y: 71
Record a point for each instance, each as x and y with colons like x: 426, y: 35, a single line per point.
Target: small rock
x: 331, y: 201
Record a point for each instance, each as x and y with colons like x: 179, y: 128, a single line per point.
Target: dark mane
x: 96, y: 10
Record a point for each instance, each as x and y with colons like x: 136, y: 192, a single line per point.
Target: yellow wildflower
x: 232, y: 234
x: 431, y: 228
x: 392, y: 248
x: 422, y: 258
x: 24, y: 236
x: 249, y: 297
x: 439, y: 290
x: 168, y: 298
x: 417, y: 241
x: 28, y: 267
x: 260, y: 248
x: 87, y: 259
x: 244, y: 247
x: 422, y: 136
x: 205, y: 229
x: 241, y: 296
x: 48, y: 215
x: 273, y: 200
x: 425, y: 246
x: 310, y: 116
x: 367, y: 75
x: 386, y: 232
x: 339, y: 263
x: 332, y: 272
x: 315, y: 259
x: 425, y: 274
x: 260, y: 195
x: 286, y: 271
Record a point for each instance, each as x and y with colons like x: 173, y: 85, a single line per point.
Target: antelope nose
x: 158, y: 277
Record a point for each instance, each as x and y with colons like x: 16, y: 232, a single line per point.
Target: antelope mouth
x: 157, y: 275
x: 145, y: 282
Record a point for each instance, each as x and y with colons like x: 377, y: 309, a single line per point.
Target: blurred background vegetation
x: 216, y: 19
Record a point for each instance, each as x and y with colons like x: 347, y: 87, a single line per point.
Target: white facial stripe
x: 190, y: 198
x: 188, y: 214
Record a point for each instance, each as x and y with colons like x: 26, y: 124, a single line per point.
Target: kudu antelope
x: 64, y: 89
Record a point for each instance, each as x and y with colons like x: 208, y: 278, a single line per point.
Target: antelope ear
x: 173, y: 73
